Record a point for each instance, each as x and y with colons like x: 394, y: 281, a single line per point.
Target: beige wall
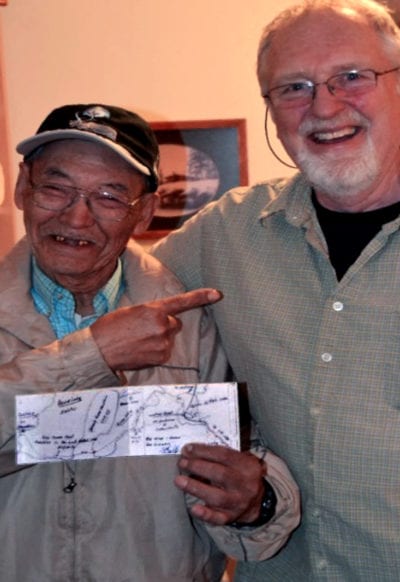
x: 166, y: 59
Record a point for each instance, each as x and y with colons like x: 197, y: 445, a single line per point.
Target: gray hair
x: 377, y: 15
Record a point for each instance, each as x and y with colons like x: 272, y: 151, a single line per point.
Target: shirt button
x: 321, y: 564
x: 326, y: 357
x: 315, y: 411
x: 338, y: 306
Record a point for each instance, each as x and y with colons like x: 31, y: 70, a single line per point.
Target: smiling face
x: 72, y: 246
x: 347, y: 147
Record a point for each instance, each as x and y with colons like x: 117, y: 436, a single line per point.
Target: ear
x: 21, y: 185
x: 146, y: 214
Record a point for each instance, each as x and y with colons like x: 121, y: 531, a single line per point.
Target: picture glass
x: 197, y: 165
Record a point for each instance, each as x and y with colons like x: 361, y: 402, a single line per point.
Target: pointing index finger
x: 190, y: 300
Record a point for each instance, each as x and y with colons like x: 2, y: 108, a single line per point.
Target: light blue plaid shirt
x: 58, y: 304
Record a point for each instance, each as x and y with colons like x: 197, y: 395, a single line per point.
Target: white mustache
x: 309, y: 126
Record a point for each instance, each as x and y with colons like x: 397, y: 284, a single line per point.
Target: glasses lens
x: 293, y: 94
x: 103, y: 205
x: 52, y: 196
x: 109, y: 207
x: 352, y: 82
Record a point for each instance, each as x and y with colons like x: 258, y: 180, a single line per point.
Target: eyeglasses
x: 343, y: 85
x: 103, y: 204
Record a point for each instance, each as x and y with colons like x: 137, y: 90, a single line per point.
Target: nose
x: 325, y: 103
x: 78, y: 213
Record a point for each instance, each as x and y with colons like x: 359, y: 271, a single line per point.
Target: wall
x: 165, y: 59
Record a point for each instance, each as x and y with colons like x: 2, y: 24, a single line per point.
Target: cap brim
x: 27, y: 146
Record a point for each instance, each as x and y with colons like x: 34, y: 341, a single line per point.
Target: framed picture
x: 199, y: 161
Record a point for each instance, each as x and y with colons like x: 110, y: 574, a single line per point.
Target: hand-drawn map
x: 114, y: 422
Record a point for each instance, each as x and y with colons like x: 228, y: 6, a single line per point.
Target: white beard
x: 339, y: 176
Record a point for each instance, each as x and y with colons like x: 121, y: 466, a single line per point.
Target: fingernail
x: 181, y: 481
x: 215, y: 295
x: 183, y: 463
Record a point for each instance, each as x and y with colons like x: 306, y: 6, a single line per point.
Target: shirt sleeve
x: 213, y: 364
x: 182, y: 253
x: 263, y: 542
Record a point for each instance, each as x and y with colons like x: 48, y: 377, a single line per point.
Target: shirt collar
x: 294, y: 199
x: 58, y: 304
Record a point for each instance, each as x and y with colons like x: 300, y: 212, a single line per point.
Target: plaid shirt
x: 321, y: 359
x: 58, y: 304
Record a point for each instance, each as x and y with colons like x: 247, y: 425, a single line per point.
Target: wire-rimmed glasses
x: 343, y: 85
x: 103, y: 204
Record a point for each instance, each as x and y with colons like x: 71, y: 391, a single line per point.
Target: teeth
x: 326, y: 136
x: 79, y: 243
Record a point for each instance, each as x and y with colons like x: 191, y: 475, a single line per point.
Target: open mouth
x: 71, y: 241
x: 332, y: 137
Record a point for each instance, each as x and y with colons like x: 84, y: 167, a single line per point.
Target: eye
x: 54, y: 190
x: 351, y: 76
x: 109, y: 200
x: 355, y: 81
x: 299, y: 86
x: 294, y: 90
x: 356, y: 78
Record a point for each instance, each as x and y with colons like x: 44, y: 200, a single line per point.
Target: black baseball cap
x: 126, y: 133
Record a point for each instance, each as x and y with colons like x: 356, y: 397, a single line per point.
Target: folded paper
x: 128, y: 421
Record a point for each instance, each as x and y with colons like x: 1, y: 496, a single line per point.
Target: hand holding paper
x: 230, y: 483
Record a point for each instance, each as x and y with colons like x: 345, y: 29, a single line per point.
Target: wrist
x: 267, y: 509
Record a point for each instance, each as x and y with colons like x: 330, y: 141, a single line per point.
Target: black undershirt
x: 348, y: 233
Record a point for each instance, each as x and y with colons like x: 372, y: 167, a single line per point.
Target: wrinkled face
x: 72, y: 246
x: 344, y: 145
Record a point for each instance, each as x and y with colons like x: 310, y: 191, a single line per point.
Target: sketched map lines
x: 146, y: 420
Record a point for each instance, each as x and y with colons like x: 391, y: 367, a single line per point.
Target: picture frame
x: 199, y: 161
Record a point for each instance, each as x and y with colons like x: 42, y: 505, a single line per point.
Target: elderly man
x: 80, y: 310
x: 309, y: 268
